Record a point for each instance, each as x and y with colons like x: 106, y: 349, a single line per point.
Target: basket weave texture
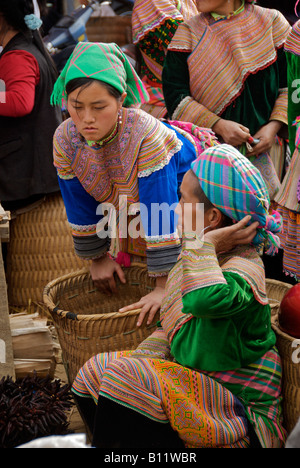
x: 88, y: 322
x: 289, y: 350
x: 276, y: 290
x: 40, y: 249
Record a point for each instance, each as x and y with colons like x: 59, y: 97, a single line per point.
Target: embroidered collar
x: 234, y: 13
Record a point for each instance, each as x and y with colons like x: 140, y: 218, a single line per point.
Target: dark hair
x: 84, y: 83
x: 199, y: 193
x: 14, y: 12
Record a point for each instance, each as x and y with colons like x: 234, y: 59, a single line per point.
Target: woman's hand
x: 231, y: 132
x: 266, y: 135
x: 225, y: 239
x: 102, y: 272
x: 149, y: 304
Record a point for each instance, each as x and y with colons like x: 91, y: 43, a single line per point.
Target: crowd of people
x: 210, y: 127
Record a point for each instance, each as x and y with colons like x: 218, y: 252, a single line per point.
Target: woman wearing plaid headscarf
x: 210, y: 375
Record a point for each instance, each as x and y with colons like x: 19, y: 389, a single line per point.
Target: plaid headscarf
x: 237, y: 189
x: 103, y: 62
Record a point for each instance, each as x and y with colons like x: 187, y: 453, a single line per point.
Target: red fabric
x: 19, y: 72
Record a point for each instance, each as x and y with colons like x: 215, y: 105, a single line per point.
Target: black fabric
x: 119, y: 427
x: 274, y: 268
x: 26, y: 143
x: 111, y: 425
x: 115, y: 426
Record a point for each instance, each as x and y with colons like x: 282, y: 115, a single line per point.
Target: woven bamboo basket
x: 289, y: 350
x: 88, y: 322
x: 40, y: 249
x: 110, y: 29
x: 276, y: 291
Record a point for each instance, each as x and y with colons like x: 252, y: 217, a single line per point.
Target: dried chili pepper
x: 32, y: 407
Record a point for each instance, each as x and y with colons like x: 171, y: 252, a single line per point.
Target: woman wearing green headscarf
x: 110, y: 154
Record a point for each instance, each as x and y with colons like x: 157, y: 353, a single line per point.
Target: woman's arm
x: 279, y: 115
x: 176, y: 86
x: 205, y: 290
x: 19, y: 74
x: 84, y: 221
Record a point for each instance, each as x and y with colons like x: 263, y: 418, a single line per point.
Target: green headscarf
x: 103, y: 62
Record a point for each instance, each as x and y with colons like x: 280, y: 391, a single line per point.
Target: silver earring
x: 120, y: 117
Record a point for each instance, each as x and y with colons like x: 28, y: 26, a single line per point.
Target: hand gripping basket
x: 88, y: 322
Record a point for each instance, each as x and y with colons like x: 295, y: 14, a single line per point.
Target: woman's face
x: 221, y: 7
x: 94, y: 111
x: 191, y: 215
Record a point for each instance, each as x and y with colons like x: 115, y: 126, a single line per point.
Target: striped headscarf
x: 237, y: 189
x: 103, y: 62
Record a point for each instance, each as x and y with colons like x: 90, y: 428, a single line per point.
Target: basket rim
x: 279, y: 331
x: 278, y: 283
x: 54, y: 309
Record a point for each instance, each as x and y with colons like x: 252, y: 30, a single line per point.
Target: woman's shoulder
x: 292, y: 44
x: 19, y: 58
x: 146, y: 123
x: 67, y: 131
x: 274, y: 19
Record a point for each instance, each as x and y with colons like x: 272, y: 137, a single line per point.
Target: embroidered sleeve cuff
x: 191, y: 111
x: 280, y: 109
x: 160, y: 260
x: 91, y: 247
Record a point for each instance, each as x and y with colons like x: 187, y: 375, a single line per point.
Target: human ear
x: 215, y: 218
x: 123, y: 97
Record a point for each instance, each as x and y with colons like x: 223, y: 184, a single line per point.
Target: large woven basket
x: 88, y: 322
x: 40, y: 249
x: 276, y: 291
x: 289, y: 350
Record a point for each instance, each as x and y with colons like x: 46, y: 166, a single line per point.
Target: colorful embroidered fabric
x: 115, y: 174
x: 149, y: 15
x: 154, y: 23
x: 292, y: 52
x: 288, y: 197
x: 290, y: 241
x: 153, y: 48
x: 205, y: 302
x: 292, y: 43
x: 198, y: 406
x: 123, y: 173
x: 222, y: 55
x: 203, y: 412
